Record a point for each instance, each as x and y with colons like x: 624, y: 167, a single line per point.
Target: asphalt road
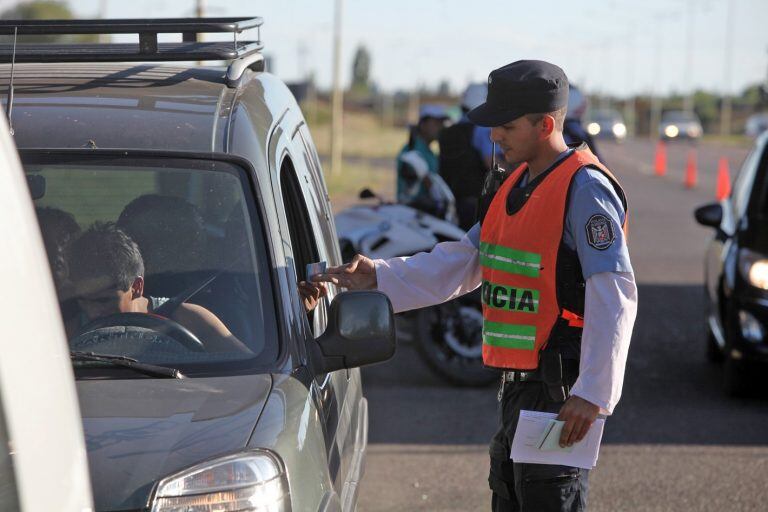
x: 675, y: 442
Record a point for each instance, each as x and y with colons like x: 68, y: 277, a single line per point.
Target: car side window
x: 299, y: 225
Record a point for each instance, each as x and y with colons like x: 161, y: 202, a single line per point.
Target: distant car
x: 756, y: 124
x: 606, y: 124
x: 679, y: 124
x: 182, y: 205
x: 736, y: 272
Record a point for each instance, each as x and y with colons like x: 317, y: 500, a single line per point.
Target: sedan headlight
x: 671, y: 131
x: 754, y: 268
x: 693, y: 131
x: 619, y: 130
x: 251, y: 481
x: 593, y: 129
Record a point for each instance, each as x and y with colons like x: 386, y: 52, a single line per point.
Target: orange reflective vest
x: 523, y: 267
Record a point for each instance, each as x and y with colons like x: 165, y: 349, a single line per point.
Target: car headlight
x: 754, y: 268
x: 593, y: 129
x: 251, y: 481
x: 619, y: 130
x: 693, y: 131
x: 671, y: 131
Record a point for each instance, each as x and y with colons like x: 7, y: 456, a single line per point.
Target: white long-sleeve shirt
x: 452, y: 269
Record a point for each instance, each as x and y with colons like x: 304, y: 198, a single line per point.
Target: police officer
x: 573, y: 130
x: 559, y: 295
x: 466, y: 156
x: 417, y: 165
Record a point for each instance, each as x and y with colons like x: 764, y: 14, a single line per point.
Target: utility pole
x: 337, y: 102
x: 656, y: 93
x: 725, y: 105
x: 103, y: 38
x: 200, y: 9
x: 630, y: 109
x: 688, y: 94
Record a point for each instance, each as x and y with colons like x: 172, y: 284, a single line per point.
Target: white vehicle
x: 43, y: 464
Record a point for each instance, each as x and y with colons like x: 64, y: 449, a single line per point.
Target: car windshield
x: 161, y: 261
x: 605, y: 116
x: 679, y: 116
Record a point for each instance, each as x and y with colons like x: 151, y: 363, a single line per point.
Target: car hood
x: 139, y: 431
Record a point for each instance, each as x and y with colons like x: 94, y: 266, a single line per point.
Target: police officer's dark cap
x: 523, y: 87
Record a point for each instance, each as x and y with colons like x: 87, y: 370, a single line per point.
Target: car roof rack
x: 242, y: 54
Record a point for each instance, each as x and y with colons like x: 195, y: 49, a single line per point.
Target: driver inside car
x: 106, y: 271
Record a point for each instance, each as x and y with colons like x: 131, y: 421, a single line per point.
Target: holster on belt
x: 551, y: 365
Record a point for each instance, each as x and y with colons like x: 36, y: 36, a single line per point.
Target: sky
x: 617, y: 47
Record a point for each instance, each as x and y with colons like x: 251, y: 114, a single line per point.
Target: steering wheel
x: 164, y: 326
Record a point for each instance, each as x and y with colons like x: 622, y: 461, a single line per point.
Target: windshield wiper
x: 128, y: 362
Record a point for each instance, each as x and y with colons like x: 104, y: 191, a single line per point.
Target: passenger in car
x: 58, y: 228
x: 169, y: 231
x: 106, y: 270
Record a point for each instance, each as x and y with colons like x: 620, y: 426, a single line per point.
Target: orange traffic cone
x: 690, y: 170
x: 660, y: 160
x: 723, y: 180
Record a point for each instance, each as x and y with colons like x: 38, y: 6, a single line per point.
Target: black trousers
x: 530, y: 487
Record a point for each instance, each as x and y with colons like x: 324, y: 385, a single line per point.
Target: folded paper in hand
x: 537, y: 441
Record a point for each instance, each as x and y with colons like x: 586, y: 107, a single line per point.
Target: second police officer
x: 559, y: 294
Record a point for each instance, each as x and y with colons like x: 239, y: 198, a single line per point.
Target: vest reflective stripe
x: 509, y: 260
x: 505, y: 297
x: 519, y: 256
x: 521, y: 337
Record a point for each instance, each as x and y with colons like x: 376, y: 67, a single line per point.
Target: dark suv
x: 737, y: 271
x: 180, y: 207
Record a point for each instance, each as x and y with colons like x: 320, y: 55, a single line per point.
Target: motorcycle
x: 448, y: 337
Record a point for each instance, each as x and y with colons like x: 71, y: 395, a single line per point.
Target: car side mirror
x: 709, y: 215
x: 360, y: 331
x: 367, y: 193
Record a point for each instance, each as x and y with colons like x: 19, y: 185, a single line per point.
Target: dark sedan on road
x: 737, y: 272
x: 679, y: 124
x: 607, y: 124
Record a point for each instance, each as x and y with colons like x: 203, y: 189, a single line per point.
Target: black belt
x: 570, y: 373
x: 518, y: 376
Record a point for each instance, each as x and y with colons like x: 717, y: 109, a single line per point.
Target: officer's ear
x: 548, y: 124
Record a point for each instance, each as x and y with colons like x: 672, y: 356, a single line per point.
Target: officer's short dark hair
x: 105, y: 250
x: 559, y: 116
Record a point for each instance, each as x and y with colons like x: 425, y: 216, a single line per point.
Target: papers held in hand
x: 550, y: 438
x: 537, y: 441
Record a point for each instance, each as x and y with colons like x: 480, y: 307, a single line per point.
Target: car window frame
x: 288, y: 166
x: 37, y: 156
x: 757, y: 203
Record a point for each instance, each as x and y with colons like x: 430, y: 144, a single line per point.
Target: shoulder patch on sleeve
x: 600, y: 232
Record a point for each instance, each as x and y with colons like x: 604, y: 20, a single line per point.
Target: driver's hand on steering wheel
x: 311, y: 293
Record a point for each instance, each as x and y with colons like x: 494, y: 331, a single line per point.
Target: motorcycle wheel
x: 449, y: 340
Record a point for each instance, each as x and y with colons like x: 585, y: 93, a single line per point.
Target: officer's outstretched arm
x: 358, y: 274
